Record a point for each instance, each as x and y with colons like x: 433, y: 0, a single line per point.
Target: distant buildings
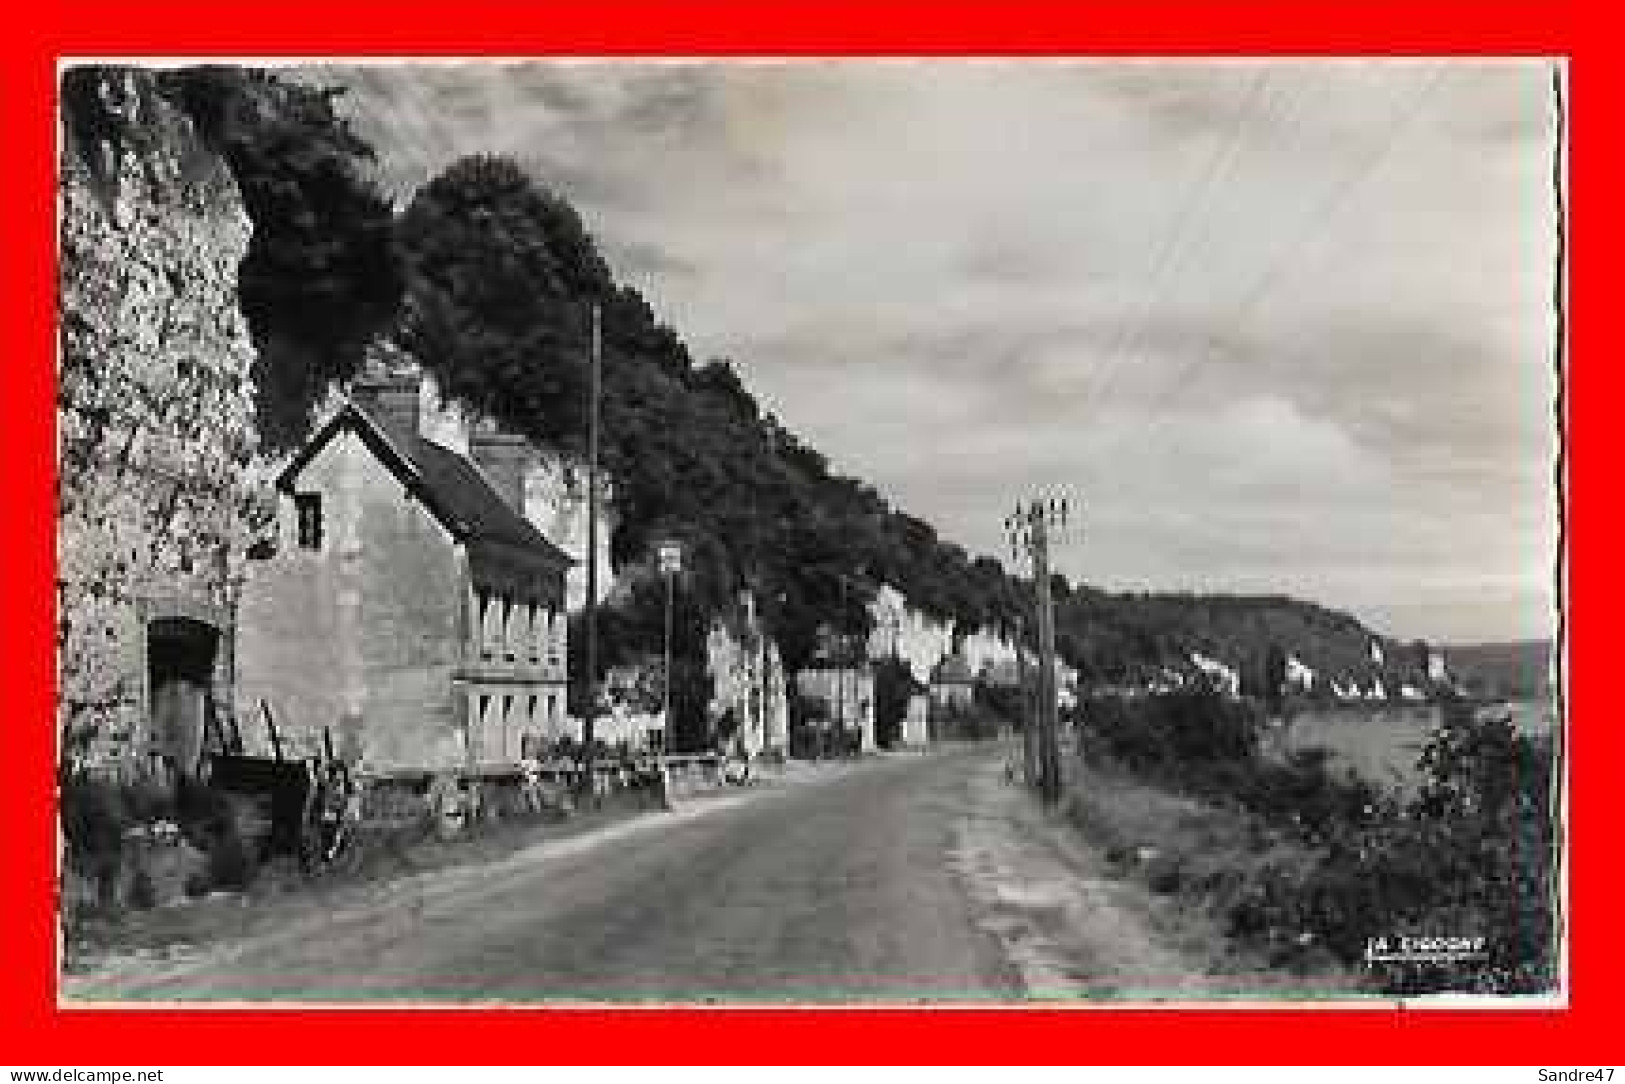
x: 748, y: 681
x: 953, y: 685
x: 847, y: 694
x: 1226, y: 679
x: 1298, y: 675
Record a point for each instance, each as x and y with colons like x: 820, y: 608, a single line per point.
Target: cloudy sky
x: 1278, y: 326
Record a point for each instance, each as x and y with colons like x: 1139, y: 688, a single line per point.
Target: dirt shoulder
x: 1070, y: 902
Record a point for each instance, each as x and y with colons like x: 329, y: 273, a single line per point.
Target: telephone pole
x: 669, y: 554
x: 1029, y: 528
x: 1029, y: 725
x: 588, y: 734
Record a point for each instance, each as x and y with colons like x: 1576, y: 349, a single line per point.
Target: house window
x: 308, y: 507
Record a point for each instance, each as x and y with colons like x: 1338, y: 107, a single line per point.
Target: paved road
x: 836, y: 890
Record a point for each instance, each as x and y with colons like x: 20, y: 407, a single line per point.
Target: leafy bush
x: 96, y: 815
x: 972, y: 721
x: 1172, y: 739
x: 1005, y: 702
x: 1471, y: 855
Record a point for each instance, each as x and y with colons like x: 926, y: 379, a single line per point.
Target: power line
x: 1283, y: 119
x: 1219, y: 163
x: 1398, y: 122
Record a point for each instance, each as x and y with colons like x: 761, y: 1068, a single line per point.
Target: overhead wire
x: 1170, y: 254
x: 1398, y: 121
x: 1266, y: 104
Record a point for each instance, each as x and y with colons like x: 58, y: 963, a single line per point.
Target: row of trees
x: 487, y: 278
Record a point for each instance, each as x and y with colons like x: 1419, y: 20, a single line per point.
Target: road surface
x: 844, y: 889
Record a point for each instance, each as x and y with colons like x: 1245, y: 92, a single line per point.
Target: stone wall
x: 156, y: 440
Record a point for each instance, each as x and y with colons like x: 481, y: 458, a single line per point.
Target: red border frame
x: 34, y: 1030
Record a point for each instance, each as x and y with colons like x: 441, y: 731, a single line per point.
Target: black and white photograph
x: 951, y: 532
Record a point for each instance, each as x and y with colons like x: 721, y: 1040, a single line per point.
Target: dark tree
x: 500, y: 277
x: 895, y: 686
x: 321, y: 276
x: 1274, y: 677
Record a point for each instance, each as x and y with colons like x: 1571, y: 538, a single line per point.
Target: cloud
x: 1282, y: 323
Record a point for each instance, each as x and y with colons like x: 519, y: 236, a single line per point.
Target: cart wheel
x: 328, y: 825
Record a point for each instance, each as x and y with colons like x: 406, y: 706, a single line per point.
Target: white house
x: 1224, y: 678
x: 1298, y: 674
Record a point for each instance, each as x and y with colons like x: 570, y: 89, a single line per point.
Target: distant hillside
x: 1124, y: 636
x: 1516, y: 671
x: 692, y: 455
x: 501, y: 275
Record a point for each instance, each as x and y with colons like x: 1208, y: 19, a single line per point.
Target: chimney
x: 442, y: 420
x: 502, y: 458
x: 392, y: 400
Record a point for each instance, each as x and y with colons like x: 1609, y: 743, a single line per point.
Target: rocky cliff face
x: 748, y: 680
x: 987, y: 649
x: 556, y: 502
x: 919, y: 640
x: 555, y: 488
x: 156, y: 439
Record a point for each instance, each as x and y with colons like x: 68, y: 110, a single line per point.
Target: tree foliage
x: 502, y: 277
x: 321, y: 275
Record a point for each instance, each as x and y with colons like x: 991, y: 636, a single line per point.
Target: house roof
x: 952, y: 670
x: 460, y: 487
x: 506, y: 550
x: 1002, y: 672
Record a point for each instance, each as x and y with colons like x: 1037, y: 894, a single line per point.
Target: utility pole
x: 1029, y: 721
x: 589, y: 737
x: 670, y: 556
x: 849, y: 683
x: 1049, y: 757
x: 665, y: 710
x: 1029, y: 530
x: 844, y: 650
x: 759, y: 628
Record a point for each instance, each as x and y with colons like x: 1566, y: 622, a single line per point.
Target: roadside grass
x: 1196, y: 860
